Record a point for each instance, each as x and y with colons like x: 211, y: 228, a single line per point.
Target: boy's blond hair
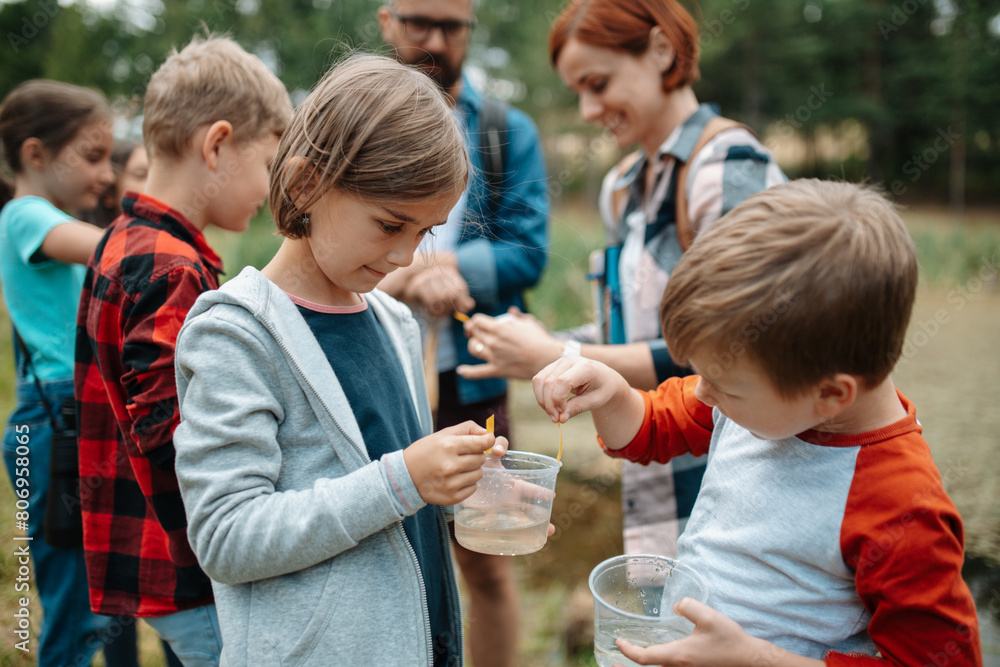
x: 808, y: 278
x: 211, y: 79
x: 373, y: 129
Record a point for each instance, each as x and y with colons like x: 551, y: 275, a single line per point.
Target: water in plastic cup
x: 634, y: 598
x: 508, y: 515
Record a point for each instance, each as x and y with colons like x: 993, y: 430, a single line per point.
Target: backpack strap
x: 619, y: 197
x: 29, y: 367
x: 493, y: 146
x: 717, y: 124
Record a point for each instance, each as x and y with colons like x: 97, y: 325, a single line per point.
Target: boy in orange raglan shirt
x: 822, y: 527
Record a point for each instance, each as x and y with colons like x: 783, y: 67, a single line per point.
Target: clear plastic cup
x: 508, y: 515
x: 634, y: 598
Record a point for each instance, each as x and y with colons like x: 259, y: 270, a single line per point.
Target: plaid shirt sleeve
x: 149, y: 334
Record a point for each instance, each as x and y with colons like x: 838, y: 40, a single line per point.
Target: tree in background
x: 902, y: 92
x: 918, y: 75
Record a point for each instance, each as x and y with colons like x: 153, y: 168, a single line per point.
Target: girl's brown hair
x: 50, y: 111
x: 374, y: 129
x: 625, y: 26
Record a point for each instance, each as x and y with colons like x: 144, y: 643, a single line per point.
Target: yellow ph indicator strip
x: 489, y: 420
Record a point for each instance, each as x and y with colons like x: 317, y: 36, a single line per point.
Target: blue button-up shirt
x: 500, y: 252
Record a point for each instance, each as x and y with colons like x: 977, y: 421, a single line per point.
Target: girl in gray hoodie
x: 313, y: 484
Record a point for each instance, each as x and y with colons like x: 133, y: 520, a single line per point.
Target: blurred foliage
x: 919, y: 76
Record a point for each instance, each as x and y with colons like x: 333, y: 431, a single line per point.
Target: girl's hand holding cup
x: 445, y: 466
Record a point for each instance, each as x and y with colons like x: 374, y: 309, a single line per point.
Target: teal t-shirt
x: 42, y: 295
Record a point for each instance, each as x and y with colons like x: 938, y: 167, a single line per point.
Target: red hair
x: 625, y: 26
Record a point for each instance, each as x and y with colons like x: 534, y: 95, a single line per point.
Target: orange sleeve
x: 675, y: 423
x: 902, y: 537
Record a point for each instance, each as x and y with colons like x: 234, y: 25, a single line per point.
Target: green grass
x: 563, y: 298
x: 950, y: 253
x: 254, y: 247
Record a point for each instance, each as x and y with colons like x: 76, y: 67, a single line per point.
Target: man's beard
x: 444, y: 75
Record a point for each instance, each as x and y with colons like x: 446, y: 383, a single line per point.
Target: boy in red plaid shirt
x: 213, y: 116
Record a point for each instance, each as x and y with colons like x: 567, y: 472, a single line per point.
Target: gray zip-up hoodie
x: 300, y: 532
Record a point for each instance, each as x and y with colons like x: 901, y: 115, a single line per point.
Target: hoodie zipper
x: 423, y: 594
x: 456, y: 598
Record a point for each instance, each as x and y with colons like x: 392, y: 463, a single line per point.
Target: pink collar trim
x: 335, y: 310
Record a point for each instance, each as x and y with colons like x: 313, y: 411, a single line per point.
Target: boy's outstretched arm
x: 570, y: 386
x: 717, y: 641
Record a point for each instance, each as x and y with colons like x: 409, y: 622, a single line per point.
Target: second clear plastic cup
x: 508, y: 515
x: 634, y: 598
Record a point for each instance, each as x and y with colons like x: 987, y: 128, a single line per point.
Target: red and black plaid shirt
x: 145, y: 275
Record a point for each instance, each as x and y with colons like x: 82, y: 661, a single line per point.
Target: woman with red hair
x: 632, y: 65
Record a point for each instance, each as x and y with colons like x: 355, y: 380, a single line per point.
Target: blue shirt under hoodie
x: 363, y: 359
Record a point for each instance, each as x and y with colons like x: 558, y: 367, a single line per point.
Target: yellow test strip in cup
x: 489, y: 423
x: 559, y: 455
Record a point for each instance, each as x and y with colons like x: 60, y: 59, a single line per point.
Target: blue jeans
x: 70, y: 632
x: 193, y: 634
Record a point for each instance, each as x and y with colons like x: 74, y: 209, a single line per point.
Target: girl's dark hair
x: 104, y: 215
x: 50, y: 111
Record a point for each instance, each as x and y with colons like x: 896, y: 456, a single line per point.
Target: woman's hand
x: 514, y: 345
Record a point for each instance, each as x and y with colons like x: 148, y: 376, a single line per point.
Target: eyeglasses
x: 418, y: 28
